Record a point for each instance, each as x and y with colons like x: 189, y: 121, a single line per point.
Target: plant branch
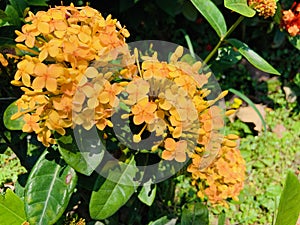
x: 231, y: 29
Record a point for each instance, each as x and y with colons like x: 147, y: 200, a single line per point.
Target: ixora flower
x: 290, y: 19
x: 224, y: 178
x: 59, y: 45
x: 265, y: 8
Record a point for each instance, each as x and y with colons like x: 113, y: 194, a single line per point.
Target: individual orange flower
x: 25, y: 68
x: 28, y: 35
x: 31, y: 123
x: 46, y: 76
x: 174, y: 150
x: 143, y: 111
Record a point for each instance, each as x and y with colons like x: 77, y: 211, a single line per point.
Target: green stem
x: 231, y: 29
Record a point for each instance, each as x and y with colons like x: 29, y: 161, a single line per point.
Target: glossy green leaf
x: 11, y: 209
x: 189, y: 11
x: 212, y: 14
x: 13, y: 15
x: 109, y: 196
x: 289, y: 207
x: 48, y: 189
x: 147, y: 194
x: 295, y: 41
x: 83, y: 154
x: 253, y: 57
x: 16, y: 124
x: 239, y: 6
x: 194, y: 214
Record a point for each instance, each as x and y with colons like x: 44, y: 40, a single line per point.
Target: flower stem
x: 231, y: 29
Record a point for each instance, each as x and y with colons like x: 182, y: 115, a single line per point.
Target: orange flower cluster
x: 59, y: 45
x: 169, y: 100
x: 224, y: 178
x: 290, y: 20
x: 265, y: 8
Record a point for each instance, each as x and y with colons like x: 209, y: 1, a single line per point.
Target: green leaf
x: 239, y: 6
x: 16, y: 124
x: 48, y: 189
x: 13, y: 16
x: 37, y: 2
x: 222, y: 218
x: 253, y: 57
x: 295, y: 41
x: 19, y: 6
x: 11, y: 209
x: 171, y: 7
x: 163, y: 221
x: 189, y: 11
x: 147, y: 194
x: 212, y: 14
x: 83, y: 154
x: 110, y: 196
x: 289, y: 207
x: 194, y: 214
x: 246, y: 99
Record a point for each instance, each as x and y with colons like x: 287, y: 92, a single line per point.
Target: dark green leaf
x: 16, y: 124
x: 278, y: 39
x: 48, y: 190
x: 110, y: 196
x: 212, y: 14
x: 253, y: 57
x: 3, y: 147
x: 11, y: 209
x: 84, y: 153
x: 2, y: 14
x: 37, y: 2
x: 295, y: 41
x: 227, y: 56
x: 194, y: 214
x: 19, y: 6
x: 13, y: 16
x: 147, y: 194
x: 289, y: 207
x: 189, y: 11
x: 239, y: 6
x: 221, y: 218
x: 171, y: 7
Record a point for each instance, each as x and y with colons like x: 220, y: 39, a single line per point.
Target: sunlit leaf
x: 16, y: 124
x: 11, y: 209
x: 212, y: 14
x: 84, y: 153
x: 289, y: 207
x: 109, y: 196
x: 147, y: 194
x: 48, y: 189
x: 253, y: 57
x: 240, y: 6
